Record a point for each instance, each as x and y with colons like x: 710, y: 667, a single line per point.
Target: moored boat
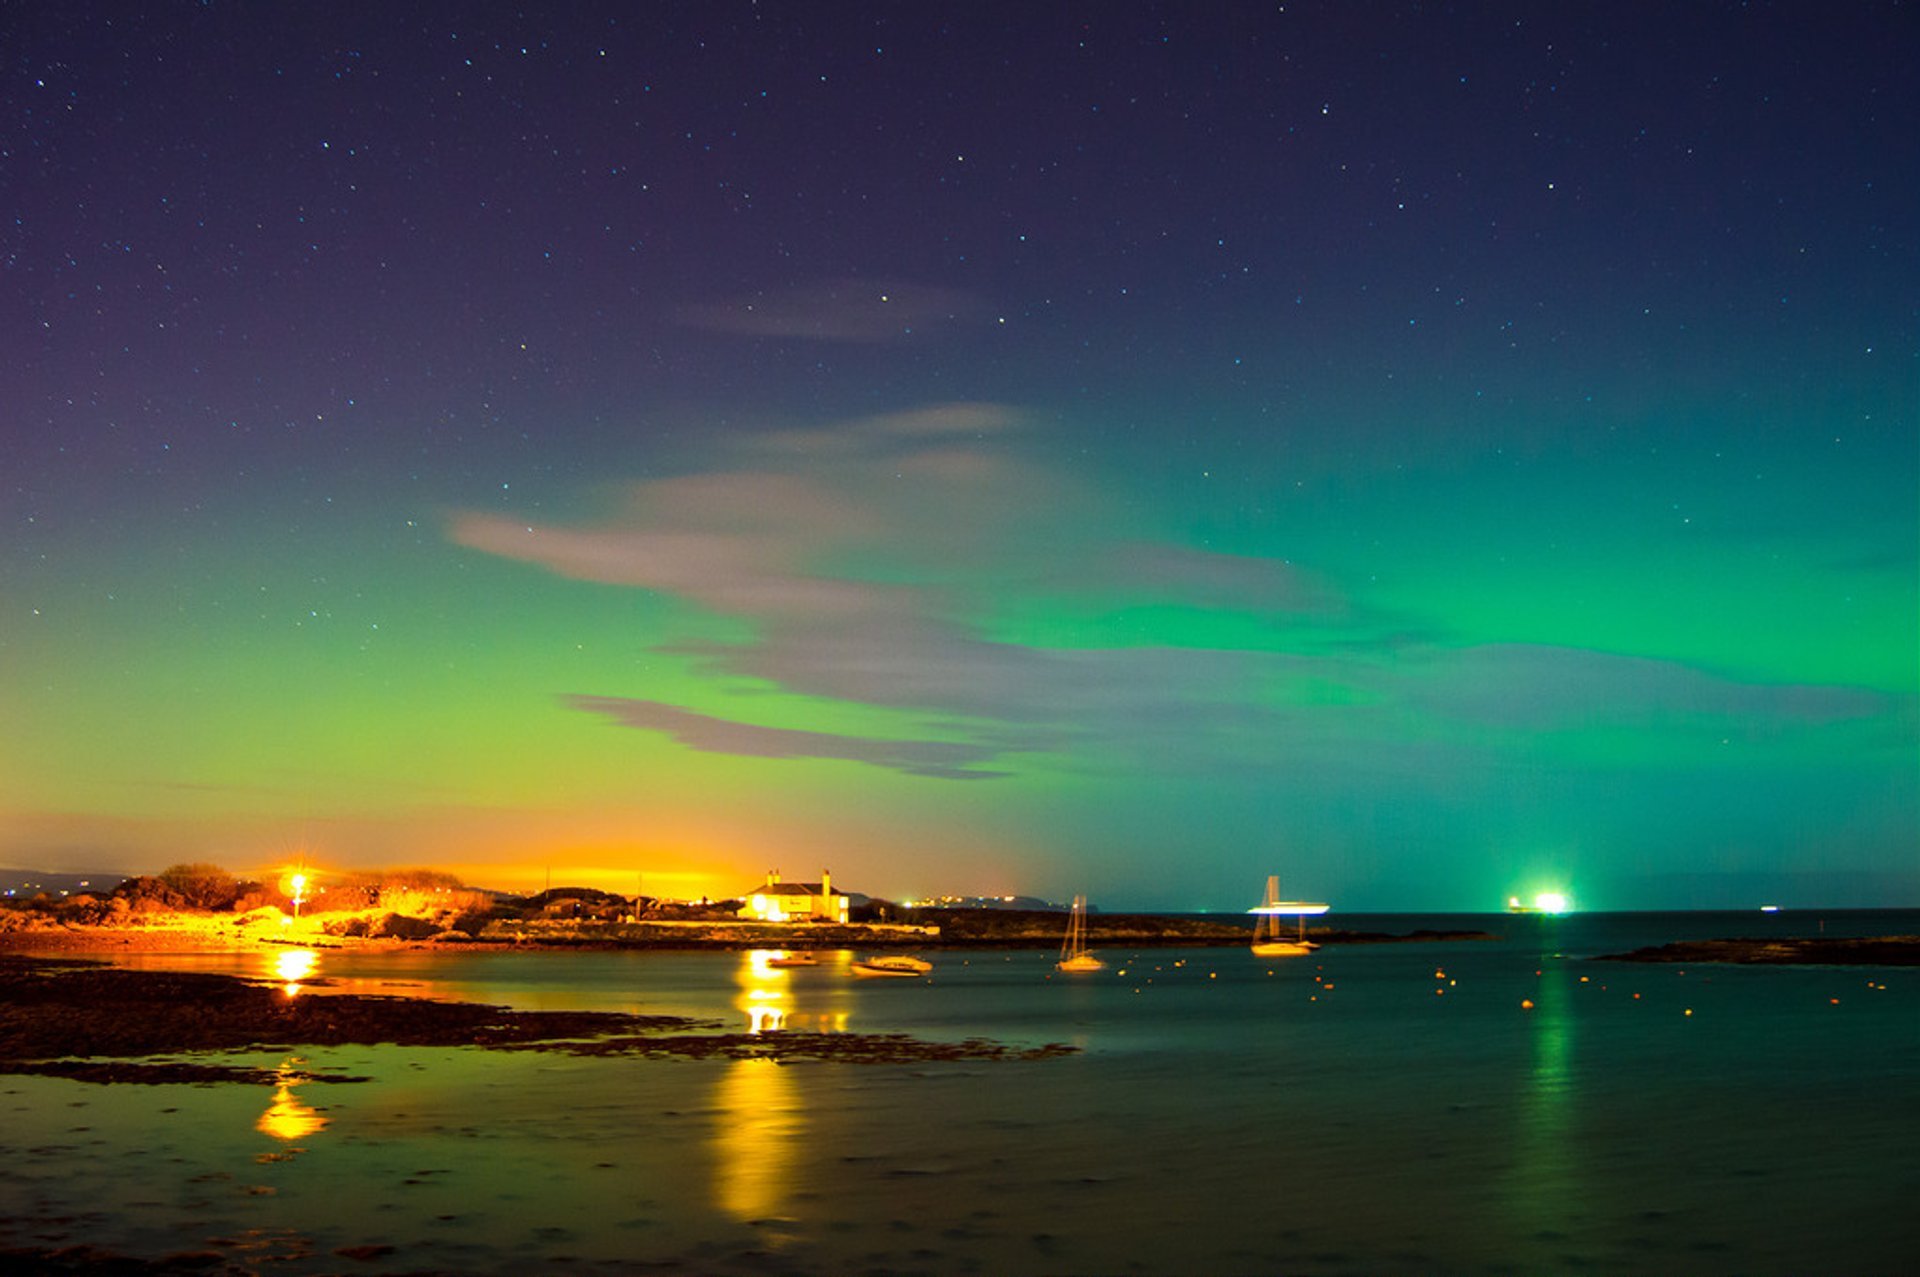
x: 1267, y: 940
x: 896, y: 965
x: 1074, y: 954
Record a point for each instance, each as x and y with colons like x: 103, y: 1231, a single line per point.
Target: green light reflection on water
x: 1541, y: 1190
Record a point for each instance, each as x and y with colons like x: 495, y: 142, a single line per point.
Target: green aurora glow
x: 1421, y: 562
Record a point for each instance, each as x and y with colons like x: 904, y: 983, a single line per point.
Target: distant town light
x: 1551, y: 902
x: 294, y: 887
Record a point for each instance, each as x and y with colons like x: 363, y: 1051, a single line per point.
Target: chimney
x: 773, y: 877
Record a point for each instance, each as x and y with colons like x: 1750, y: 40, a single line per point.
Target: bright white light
x: 294, y: 965
x: 1551, y: 902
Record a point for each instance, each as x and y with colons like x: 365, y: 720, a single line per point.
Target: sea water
x: 1506, y: 1106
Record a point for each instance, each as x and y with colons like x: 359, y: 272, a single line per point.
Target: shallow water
x: 1382, y: 1108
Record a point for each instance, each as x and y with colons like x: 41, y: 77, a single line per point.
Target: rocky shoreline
x: 94, y: 1022
x: 1876, y: 951
x: 956, y: 929
x: 65, y: 1015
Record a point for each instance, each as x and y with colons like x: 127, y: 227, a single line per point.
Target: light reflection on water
x: 761, y: 1123
x: 761, y: 1119
x: 1334, y: 1116
x: 810, y: 998
x: 288, y: 1119
x: 1544, y: 1141
x: 291, y: 966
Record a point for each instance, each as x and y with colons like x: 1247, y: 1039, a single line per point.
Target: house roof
x: 785, y: 889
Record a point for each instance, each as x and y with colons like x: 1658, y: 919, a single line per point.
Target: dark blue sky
x: 1432, y: 449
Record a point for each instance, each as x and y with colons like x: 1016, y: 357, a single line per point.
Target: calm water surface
x: 1368, y: 1109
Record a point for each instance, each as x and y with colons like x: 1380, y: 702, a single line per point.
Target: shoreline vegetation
x: 191, y: 908
x: 202, y: 905
x: 955, y: 929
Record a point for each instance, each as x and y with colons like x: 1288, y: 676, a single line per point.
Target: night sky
x: 1430, y: 452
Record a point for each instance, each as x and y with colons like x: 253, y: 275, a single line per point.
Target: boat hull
x: 898, y: 967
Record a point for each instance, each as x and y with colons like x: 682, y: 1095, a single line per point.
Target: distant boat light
x: 1551, y: 902
x: 1769, y: 908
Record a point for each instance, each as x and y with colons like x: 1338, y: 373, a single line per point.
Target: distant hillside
x: 1008, y: 926
x: 28, y: 882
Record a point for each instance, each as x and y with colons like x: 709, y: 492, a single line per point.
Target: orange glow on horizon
x: 530, y: 877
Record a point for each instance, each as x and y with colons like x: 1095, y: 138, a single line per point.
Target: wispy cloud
x: 872, y: 558
x: 1535, y: 687
x: 943, y: 759
x: 866, y: 556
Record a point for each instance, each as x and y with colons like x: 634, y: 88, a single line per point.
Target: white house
x: 776, y: 901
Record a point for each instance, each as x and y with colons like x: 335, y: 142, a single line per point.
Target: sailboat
x: 1074, y: 954
x: 1267, y: 940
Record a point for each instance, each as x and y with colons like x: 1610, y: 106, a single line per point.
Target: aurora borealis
x: 1430, y: 454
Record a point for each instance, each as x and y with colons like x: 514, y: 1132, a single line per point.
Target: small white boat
x: 898, y: 966
x: 1074, y: 954
x: 801, y: 959
x: 1267, y: 940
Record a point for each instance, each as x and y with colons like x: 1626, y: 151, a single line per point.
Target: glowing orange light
x: 292, y: 966
x: 294, y: 887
